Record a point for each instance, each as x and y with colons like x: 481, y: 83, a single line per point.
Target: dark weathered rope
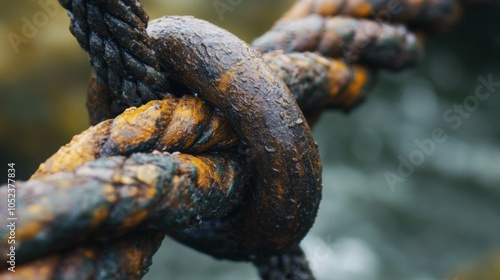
x: 127, y: 257
x: 183, y: 125
x: 433, y: 15
x: 159, y: 125
x: 276, y: 213
x: 355, y: 40
x: 289, y: 265
x: 232, y: 77
x: 111, y: 196
x: 318, y: 82
x: 113, y: 32
x: 148, y: 186
x: 315, y: 81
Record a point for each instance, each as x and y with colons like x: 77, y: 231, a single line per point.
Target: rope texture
x: 133, y: 169
x: 114, y: 35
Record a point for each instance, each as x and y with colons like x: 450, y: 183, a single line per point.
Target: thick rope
x: 113, y: 32
x: 273, y: 150
x: 290, y: 265
x: 355, y: 40
x: 138, y: 130
x: 111, y: 196
x: 127, y: 257
x: 265, y: 115
x: 431, y: 15
x: 185, y: 125
x: 318, y: 82
x: 315, y: 81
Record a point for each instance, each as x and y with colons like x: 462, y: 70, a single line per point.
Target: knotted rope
x: 113, y: 33
x: 176, y: 165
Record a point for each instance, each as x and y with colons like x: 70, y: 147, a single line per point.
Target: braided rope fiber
x: 214, y: 150
x: 114, y: 34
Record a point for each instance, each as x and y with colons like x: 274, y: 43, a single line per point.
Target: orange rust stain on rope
x: 131, y: 257
x: 226, y: 80
x: 325, y: 7
x: 316, y: 82
x: 89, y: 253
x: 99, y: 215
x: 354, y: 89
x: 135, y: 219
x: 189, y: 113
x: 204, y: 172
x: 174, y: 124
x: 29, y: 230
x: 137, y: 125
x: 386, y: 46
x: 219, y: 134
x: 338, y: 73
x: 82, y: 148
x: 108, y: 191
x: 265, y: 115
x: 361, y: 9
x: 183, y: 124
x: 135, y: 258
x: 430, y: 15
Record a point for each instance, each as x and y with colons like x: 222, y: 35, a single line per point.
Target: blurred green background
x: 442, y: 222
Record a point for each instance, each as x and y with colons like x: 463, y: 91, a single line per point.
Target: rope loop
x: 202, y: 137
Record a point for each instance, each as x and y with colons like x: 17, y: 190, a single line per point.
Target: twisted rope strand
x: 114, y: 34
x: 127, y: 257
x: 355, y: 40
x: 111, y: 196
x: 291, y: 264
x: 316, y: 83
x: 185, y: 125
x: 126, y: 134
x: 432, y: 15
x: 166, y: 191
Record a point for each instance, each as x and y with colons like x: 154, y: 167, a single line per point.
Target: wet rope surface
x: 176, y: 166
x: 113, y: 33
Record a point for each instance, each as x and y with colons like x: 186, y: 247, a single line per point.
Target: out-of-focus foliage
x: 438, y: 224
